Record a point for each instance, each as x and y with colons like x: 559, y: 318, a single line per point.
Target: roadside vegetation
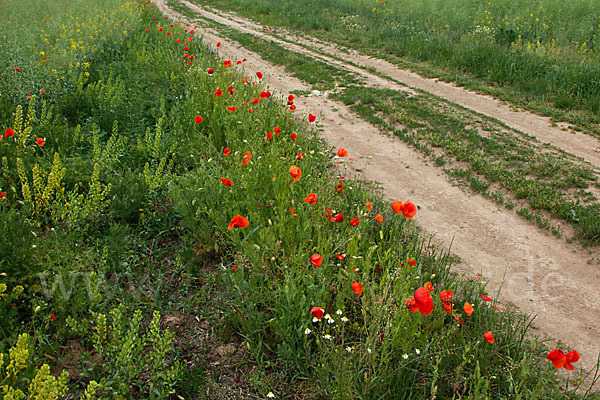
x: 170, y: 228
x: 542, y: 56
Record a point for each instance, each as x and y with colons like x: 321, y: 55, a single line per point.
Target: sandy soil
x: 540, y: 274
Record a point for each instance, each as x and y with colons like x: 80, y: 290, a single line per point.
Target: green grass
x: 546, y: 65
x: 119, y: 254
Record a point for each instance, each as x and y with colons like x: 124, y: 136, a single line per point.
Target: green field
x: 126, y: 166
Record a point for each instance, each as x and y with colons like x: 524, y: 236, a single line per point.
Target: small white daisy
x: 369, y: 350
x: 344, y: 319
x: 270, y: 395
x: 315, y: 319
x: 349, y: 349
x: 307, y: 331
x: 405, y: 356
x: 417, y: 351
x: 330, y: 321
x: 327, y: 337
x: 339, y: 312
x: 327, y: 316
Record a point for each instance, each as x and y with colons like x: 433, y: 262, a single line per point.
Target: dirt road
x: 544, y: 275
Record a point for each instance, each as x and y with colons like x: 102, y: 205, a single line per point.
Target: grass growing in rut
x: 541, y: 55
x: 149, y: 186
x: 550, y: 179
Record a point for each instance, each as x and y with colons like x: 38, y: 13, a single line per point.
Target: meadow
x: 541, y: 55
x: 150, y: 189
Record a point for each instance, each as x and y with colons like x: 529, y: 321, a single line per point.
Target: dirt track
x: 545, y: 276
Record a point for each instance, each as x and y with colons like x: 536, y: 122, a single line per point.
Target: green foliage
x: 131, y: 360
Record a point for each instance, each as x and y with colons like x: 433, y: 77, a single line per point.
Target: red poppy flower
x: 227, y: 151
x: 9, y: 132
x: 269, y: 135
x: 339, y: 217
x: 231, y: 108
x: 317, y: 312
x: 277, y: 130
x: 342, y: 152
x: 238, y: 222
x: 265, y: 94
x: 300, y: 156
x: 448, y: 308
x: 41, y: 141
x: 292, y: 107
x: 468, y: 309
x: 489, y: 337
x: 259, y: 74
x: 409, y: 209
x: 446, y: 296
x: 218, y: 92
x: 218, y: 44
x: 230, y: 89
x: 210, y: 71
x: 247, y: 157
x: 294, y: 137
x: 186, y: 48
x: 17, y: 69
x: 2, y: 195
x: 42, y: 91
x: 316, y: 260
x: 227, y: 63
x: 52, y: 316
x: 354, y: 221
x: 290, y: 99
x: 311, y: 199
x: 368, y: 205
x: 412, y: 262
x: 397, y: 206
x: 340, y: 187
x: 557, y: 357
x: 571, y: 358
x: 340, y: 257
x: 295, y: 173
x: 424, y: 301
x: 198, y: 119
x: 226, y: 182
x: 379, y: 218
x: 428, y: 286
x: 328, y: 213
x: 311, y: 118
x: 160, y: 29
x: 357, y: 288
x: 411, y: 304
x: 486, y: 298
x: 254, y: 101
